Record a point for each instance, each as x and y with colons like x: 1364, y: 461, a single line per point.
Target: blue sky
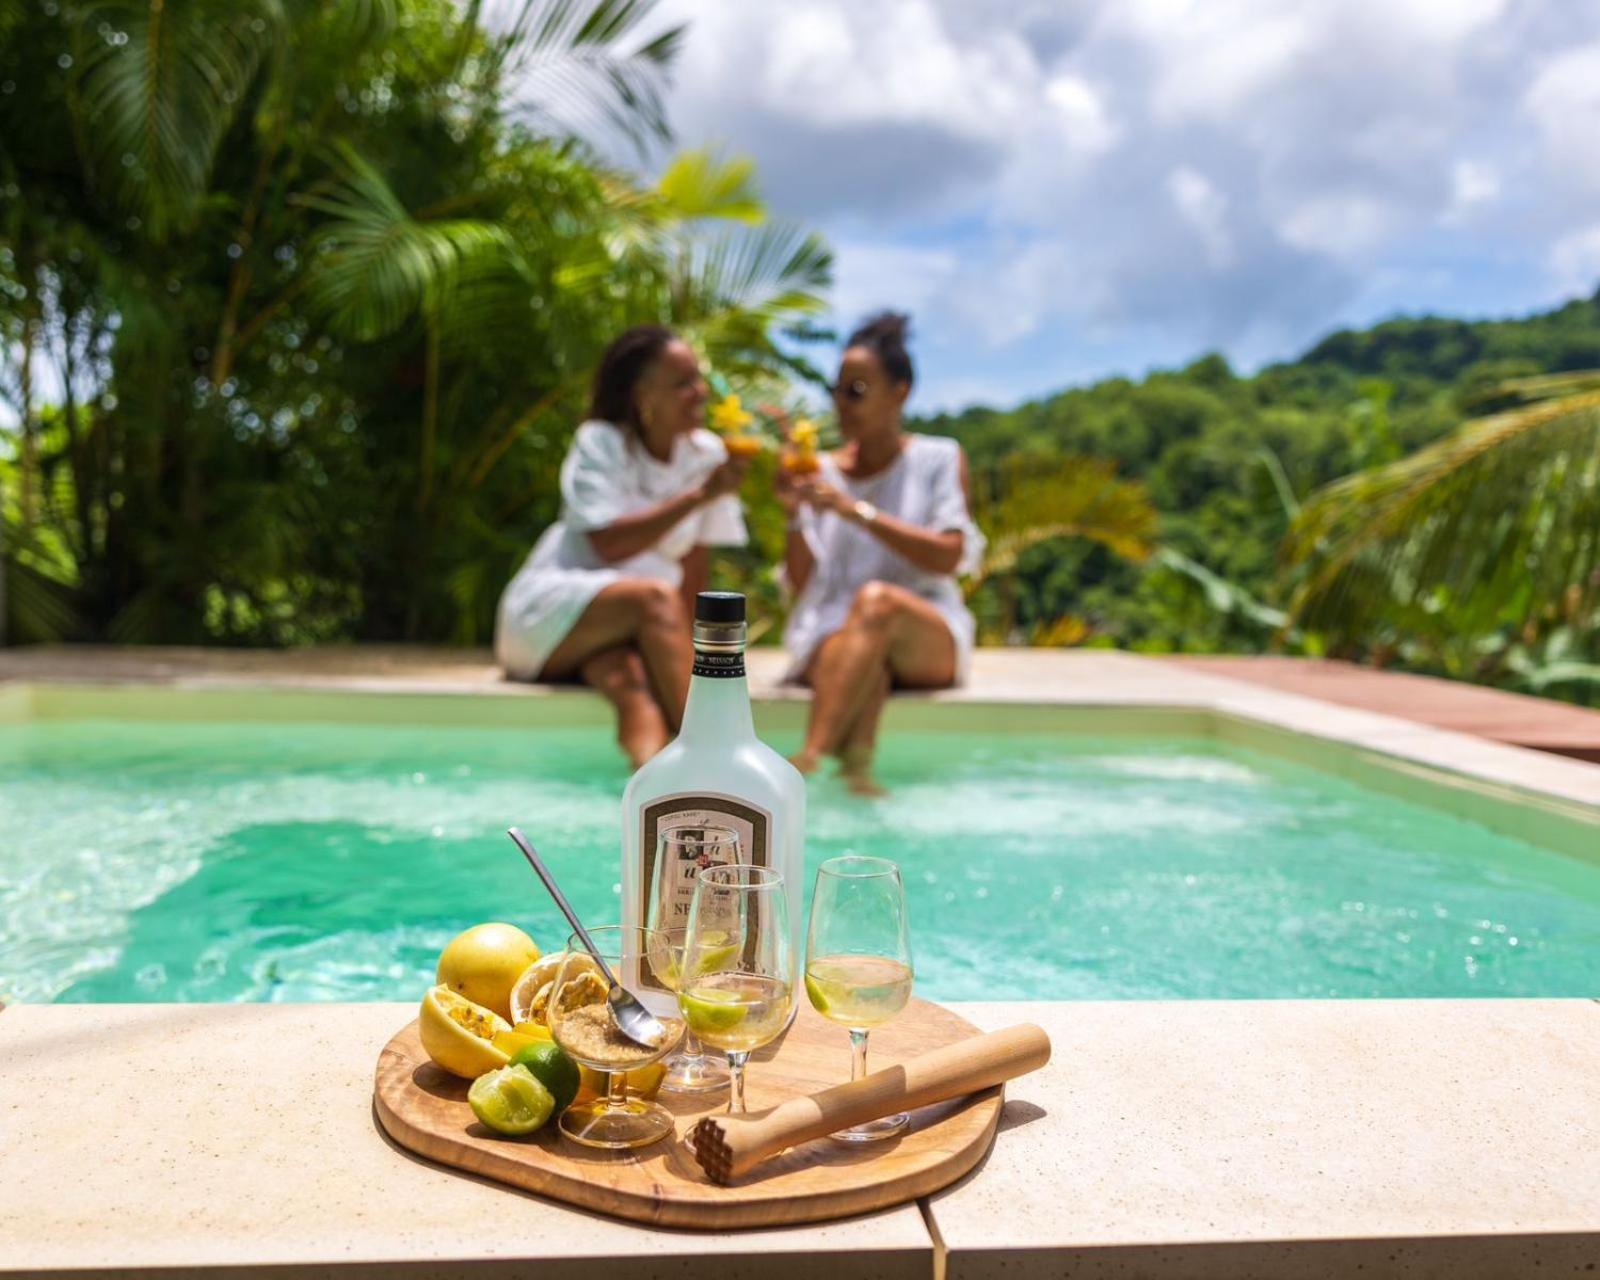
x: 1062, y: 190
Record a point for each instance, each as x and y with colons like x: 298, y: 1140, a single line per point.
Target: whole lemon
x: 484, y: 963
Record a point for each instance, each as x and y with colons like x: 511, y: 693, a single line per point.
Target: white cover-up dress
x: 922, y: 487
x: 607, y: 474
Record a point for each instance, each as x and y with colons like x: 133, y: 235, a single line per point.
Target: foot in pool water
x: 860, y: 782
x: 855, y: 769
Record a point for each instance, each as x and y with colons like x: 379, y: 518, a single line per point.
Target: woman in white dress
x: 607, y: 592
x: 876, y: 539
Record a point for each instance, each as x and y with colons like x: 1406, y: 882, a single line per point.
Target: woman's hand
x: 790, y: 490
x: 727, y: 478
x: 824, y: 497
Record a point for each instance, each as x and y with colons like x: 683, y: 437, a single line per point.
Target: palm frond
x: 157, y: 87
x: 39, y: 608
x: 1541, y: 387
x: 732, y: 289
x: 1479, y: 529
x: 1221, y: 596
x: 702, y: 184
x: 568, y: 67
x: 375, y: 266
x: 1072, y: 498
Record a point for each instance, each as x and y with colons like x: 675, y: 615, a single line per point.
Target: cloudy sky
x: 1061, y: 189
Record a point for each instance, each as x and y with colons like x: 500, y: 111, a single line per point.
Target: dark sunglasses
x: 856, y: 389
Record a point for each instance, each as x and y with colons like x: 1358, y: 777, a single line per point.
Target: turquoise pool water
x: 244, y: 861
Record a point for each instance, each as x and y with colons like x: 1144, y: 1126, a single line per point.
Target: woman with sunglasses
x: 876, y: 539
x: 607, y: 593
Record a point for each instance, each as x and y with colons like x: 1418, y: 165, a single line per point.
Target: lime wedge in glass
x: 711, y: 1010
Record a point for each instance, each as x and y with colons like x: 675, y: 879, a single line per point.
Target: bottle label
x: 672, y: 888
x: 719, y: 666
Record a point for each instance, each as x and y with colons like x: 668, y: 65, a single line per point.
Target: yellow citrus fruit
x: 521, y: 1037
x: 460, y: 1035
x: 530, y: 996
x: 484, y: 963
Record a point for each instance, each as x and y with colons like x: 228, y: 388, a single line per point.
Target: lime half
x: 551, y: 1067
x: 510, y: 1100
x: 710, y: 1009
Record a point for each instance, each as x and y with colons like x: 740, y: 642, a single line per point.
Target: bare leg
x: 861, y: 743
x: 641, y: 614
x: 619, y: 674
x: 888, y: 630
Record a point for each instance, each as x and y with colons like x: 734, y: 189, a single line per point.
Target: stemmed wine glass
x: 682, y: 853
x: 737, y: 985
x: 858, y: 960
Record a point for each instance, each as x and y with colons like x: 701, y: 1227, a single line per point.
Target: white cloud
x: 1472, y: 183
x: 1342, y: 225
x: 1575, y: 260
x: 1205, y: 209
x: 874, y: 275
x: 1216, y: 59
x: 1163, y: 176
x: 1564, y: 101
x: 1085, y: 124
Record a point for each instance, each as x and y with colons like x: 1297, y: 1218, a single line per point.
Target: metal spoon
x: 632, y: 1018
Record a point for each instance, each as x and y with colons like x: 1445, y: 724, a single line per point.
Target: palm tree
x: 1470, y: 546
x: 1029, y: 502
x: 345, y: 266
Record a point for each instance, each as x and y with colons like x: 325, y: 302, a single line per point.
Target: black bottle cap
x: 719, y: 606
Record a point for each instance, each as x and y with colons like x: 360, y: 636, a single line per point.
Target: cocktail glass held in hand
x: 858, y: 961
x: 737, y: 985
x: 682, y: 853
x: 582, y: 1024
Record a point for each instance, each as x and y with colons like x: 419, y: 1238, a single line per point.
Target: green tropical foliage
x: 299, y: 301
x: 1479, y: 562
x: 1467, y: 551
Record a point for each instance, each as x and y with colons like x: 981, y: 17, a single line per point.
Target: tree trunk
x: 28, y: 497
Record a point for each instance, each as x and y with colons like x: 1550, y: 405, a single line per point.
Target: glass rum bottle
x: 715, y: 772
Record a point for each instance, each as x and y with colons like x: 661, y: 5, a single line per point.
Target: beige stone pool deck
x: 1174, y: 1139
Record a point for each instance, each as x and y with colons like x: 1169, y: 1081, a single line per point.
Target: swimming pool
x: 273, y: 858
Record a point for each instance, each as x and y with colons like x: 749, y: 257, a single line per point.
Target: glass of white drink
x: 736, y: 989
x: 858, y: 961
x: 682, y: 853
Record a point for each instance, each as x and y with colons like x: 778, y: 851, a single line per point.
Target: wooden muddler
x: 728, y: 1146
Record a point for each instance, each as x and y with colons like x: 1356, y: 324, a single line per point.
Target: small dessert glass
x: 581, y: 1022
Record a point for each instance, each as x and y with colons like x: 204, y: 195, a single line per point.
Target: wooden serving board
x: 424, y: 1109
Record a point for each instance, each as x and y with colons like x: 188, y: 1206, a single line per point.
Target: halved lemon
x: 459, y: 1035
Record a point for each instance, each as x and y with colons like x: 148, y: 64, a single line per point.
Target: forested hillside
x: 1226, y: 459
